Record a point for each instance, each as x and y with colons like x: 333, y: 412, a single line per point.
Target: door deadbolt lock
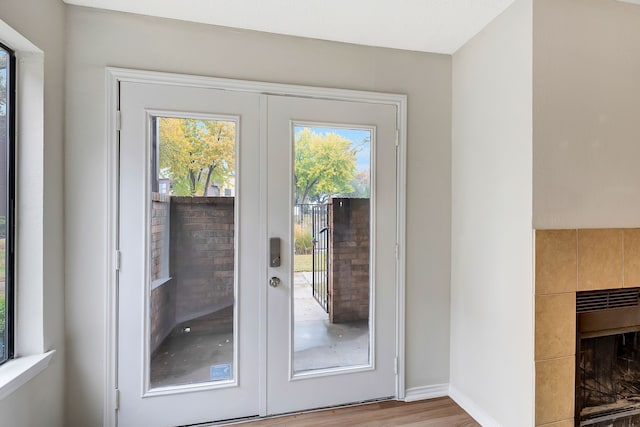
x: 274, y: 252
x: 274, y: 282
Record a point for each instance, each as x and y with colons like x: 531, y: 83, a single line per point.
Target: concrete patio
x: 187, y: 358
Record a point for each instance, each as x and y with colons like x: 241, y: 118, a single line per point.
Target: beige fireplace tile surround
x: 632, y: 257
x: 600, y: 264
x: 556, y: 261
x: 555, y: 389
x: 555, y: 326
x: 567, y: 261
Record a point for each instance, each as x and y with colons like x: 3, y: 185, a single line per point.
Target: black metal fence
x: 312, y: 222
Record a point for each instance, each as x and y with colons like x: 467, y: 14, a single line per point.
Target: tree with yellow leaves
x: 196, y: 153
x: 325, y: 165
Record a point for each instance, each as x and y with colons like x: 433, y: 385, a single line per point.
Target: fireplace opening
x: 608, y: 360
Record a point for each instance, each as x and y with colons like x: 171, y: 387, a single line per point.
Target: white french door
x: 257, y: 236
x: 349, y: 355
x: 172, y: 286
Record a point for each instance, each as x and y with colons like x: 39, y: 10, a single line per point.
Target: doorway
x: 208, y: 308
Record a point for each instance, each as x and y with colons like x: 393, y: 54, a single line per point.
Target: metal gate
x: 320, y: 255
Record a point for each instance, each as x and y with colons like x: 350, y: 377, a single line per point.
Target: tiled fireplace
x: 577, y: 261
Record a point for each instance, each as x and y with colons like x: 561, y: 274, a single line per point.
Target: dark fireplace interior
x: 608, y: 359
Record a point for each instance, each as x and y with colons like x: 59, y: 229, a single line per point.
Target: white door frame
x: 113, y: 78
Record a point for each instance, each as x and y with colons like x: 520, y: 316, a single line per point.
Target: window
x: 25, y: 350
x: 7, y: 137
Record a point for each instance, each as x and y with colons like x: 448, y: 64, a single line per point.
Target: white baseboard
x: 426, y: 392
x: 472, y: 409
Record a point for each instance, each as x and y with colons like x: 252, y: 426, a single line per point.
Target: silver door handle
x: 274, y: 282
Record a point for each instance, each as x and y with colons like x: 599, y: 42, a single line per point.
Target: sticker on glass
x: 221, y: 372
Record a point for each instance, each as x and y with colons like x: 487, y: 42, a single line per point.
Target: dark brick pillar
x: 348, y: 260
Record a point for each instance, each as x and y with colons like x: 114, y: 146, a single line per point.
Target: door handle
x: 274, y: 282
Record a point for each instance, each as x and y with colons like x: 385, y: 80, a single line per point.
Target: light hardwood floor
x: 442, y: 412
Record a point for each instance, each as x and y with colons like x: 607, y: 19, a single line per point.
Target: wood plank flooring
x: 442, y: 412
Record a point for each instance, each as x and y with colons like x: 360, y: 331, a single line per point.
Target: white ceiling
x: 440, y: 26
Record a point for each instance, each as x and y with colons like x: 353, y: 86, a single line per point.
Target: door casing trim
x: 113, y: 78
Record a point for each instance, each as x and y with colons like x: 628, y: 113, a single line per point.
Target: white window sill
x: 17, y: 372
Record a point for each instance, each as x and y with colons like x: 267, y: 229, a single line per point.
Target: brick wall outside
x: 348, y: 260
x: 195, y: 236
x: 202, y: 255
x: 160, y: 229
x: 163, y: 313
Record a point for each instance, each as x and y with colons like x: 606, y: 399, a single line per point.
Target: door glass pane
x: 331, y: 228
x: 192, y: 251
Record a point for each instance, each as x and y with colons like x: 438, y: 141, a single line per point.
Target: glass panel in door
x: 332, y: 233
x: 192, y: 251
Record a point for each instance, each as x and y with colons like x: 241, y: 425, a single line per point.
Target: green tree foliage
x: 324, y: 166
x: 196, y: 153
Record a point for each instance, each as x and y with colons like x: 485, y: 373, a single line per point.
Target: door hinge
x: 395, y: 368
x: 397, y: 137
x: 116, y: 399
x: 397, y: 251
x: 117, y: 260
x: 118, y: 120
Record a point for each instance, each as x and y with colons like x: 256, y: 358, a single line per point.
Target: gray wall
x: 586, y: 114
x: 40, y: 402
x: 98, y: 39
x: 491, y: 257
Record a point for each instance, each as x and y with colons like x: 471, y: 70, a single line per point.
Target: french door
x: 182, y: 276
x: 348, y: 355
x: 217, y: 314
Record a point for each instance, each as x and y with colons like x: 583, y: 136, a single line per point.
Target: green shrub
x: 302, y: 239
